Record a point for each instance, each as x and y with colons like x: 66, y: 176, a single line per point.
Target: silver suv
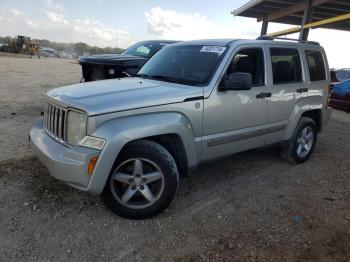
x: 130, y: 139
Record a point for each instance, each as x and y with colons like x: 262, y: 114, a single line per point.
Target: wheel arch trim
x: 302, y: 106
x: 121, y: 131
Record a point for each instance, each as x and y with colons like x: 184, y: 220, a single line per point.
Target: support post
x: 307, y: 17
x: 264, y: 27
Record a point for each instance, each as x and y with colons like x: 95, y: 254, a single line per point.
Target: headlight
x: 76, y: 127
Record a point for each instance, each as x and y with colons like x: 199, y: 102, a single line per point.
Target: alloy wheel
x: 305, y: 141
x: 137, y: 183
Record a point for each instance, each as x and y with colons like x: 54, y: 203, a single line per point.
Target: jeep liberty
x: 130, y: 139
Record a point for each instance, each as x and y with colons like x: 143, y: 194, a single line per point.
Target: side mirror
x: 237, y: 81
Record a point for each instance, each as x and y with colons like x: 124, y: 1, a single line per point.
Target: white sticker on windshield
x: 213, y: 49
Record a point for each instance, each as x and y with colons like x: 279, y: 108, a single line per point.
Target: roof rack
x: 264, y: 37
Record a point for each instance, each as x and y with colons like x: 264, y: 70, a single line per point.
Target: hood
x: 108, y: 59
x: 106, y: 96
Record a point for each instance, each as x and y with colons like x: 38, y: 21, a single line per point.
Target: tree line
x: 77, y: 48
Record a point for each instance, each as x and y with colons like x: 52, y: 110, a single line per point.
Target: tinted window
x: 342, y: 75
x: 316, y: 65
x: 249, y: 61
x: 286, y: 65
x: 144, y: 49
x: 184, y: 64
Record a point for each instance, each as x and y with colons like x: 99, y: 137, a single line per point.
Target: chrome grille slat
x: 45, y: 115
x: 50, y: 118
x: 64, y: 116
x: 55, y: 122
x: 60, y: 124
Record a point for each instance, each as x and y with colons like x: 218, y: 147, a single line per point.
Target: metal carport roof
x: 292, y: 12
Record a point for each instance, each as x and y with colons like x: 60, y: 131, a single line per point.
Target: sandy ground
x: 251, y: 207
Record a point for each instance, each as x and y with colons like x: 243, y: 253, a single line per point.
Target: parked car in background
x: 340, y: 75
x: 65, y: 55
x: 127, y: 63
x: 340, y: 100
x: 47, y: 52
x: 3, y: 47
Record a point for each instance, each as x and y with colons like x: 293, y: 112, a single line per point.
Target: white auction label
x: 213, y: 49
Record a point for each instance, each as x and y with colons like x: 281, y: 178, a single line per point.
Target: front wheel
x: 302, y: 144
x: 143, y: 182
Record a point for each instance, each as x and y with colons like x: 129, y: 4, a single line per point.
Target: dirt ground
x: 251, y: 207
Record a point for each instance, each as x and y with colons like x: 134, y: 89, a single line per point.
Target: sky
x: 122, y: 23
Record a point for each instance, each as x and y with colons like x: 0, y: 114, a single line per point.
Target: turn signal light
x: 92, y: 164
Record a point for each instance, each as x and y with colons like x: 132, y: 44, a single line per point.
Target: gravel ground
x: 250, y: 207
x: 23, y: 84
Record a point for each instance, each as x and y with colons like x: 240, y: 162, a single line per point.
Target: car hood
x: 108, y: 59
x: 114, y: 95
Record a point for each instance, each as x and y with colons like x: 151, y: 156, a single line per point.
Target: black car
x: 127, y: 63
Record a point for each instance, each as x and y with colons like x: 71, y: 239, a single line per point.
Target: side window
x: 250, y: 60
x: 143, y: 50
x: 286, y: 66
x: 316, y: 65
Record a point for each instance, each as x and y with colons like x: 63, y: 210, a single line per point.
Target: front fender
x: 120, y: 131
x: 303, y: 105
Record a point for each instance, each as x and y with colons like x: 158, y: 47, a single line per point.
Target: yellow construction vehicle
x: 22, y: 45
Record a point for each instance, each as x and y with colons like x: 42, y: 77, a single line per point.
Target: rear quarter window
x: 316, y: 65
x: 286, y: 66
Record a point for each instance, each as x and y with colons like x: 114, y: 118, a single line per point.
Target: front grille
x: 55, y: 122
x: 97, y: 73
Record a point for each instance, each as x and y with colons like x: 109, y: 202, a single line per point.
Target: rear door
x: 287, y: 85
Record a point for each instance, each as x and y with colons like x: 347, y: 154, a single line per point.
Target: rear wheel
x: 143, y: 182
x: 302, y: 144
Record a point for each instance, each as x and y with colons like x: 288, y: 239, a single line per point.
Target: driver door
x: 237, y: 120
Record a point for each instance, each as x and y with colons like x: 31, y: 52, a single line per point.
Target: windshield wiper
x: 159, y: 77
x: 164, y: 78
x: 142, y: 75
x: 170, y: 79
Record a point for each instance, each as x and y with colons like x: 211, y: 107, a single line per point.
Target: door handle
x: 302, y: 90
x: 263, y: 95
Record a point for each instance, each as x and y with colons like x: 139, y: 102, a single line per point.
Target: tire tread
x: 288, y: 150
x: 153, y: 150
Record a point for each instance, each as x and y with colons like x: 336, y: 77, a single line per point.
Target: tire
x: 143, y: 181
x: 291, y: 150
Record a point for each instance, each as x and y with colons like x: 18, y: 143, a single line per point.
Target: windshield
x: 184, y: 64
x: 144, y: 49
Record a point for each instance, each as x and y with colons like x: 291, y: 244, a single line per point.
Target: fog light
x: 92, y: 164
x: 92, y: 142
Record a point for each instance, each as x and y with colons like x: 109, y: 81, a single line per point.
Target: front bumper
x: 68, y: 164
